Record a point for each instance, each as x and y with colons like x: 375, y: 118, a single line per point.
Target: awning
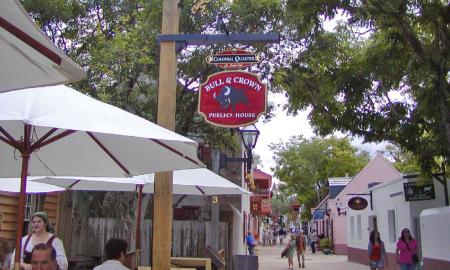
x: 318, y: 214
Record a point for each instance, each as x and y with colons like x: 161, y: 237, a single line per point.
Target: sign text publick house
x: 232, y: 98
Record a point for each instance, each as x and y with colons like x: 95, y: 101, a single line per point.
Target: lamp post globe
x: 249, y: 135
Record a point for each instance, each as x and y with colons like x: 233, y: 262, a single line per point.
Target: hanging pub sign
x: 232, y: 98
x: 419, y: 192
x: 233, y: 59
x: 357, y: 203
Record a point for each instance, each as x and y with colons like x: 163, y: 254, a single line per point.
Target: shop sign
x: 415, y: 191
x: 357, y: 203
x: 233, y: 59
x: 232, y: 98
x: 256, y: 207
x: 265, y: 205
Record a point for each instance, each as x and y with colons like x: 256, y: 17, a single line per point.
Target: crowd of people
x: 42, y: 250
x: 298, y: 240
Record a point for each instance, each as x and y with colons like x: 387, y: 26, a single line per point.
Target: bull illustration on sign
x: 229, y: 96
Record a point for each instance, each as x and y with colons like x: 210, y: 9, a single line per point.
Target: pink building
x: 377, y: 171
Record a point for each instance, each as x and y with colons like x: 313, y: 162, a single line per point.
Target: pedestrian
x: 5, y: 254
x: 250, y: 243
x: 264, y: 236
x: 377, y: 252
x: 406, y: 251
x: 270, y: 237
x: 116, y: 251
x: 282, y: 235
x: 275, y: 236
x: 43, y: 257
x: 300, y: 244
x: 290, y: 252
x: 314, y: 239
x: 42, y: 233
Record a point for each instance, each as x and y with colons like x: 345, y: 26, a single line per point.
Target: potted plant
x: 325, y: 245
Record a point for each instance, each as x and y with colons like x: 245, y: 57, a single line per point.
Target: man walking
x: 314, y: 239
x: 300, y: 242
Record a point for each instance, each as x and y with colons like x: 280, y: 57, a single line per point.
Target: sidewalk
x: 269, y: 258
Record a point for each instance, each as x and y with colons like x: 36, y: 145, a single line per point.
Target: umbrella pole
x: 138, y: 227
x: 26, y: 151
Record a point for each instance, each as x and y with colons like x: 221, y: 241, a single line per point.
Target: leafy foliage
x: 281, y: 202
x: 382, y: 74
x: 404, y: 161
x: 115, y: 41
x: 305, y: 165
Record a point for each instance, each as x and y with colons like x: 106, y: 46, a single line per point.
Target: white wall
x: 384, y: 199
x: 435, y: 227
x: 389, y: 196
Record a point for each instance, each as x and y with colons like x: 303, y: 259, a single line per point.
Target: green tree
x: 404, y: 161
x: 115, y: 41
x: 280, y: 202
x: 305, y: 165
x: 383, y: 74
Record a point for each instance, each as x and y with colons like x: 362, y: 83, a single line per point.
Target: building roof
x: 378, y: 170
x: 264, y: 180
x: 257, y: 173
x: 336, y: 185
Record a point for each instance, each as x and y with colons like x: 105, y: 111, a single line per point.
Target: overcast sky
x: 282, y: 127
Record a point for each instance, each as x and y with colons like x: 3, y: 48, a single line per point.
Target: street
x: 269, y: 259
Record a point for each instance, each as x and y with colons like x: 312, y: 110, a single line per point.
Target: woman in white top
x: 41, y: 234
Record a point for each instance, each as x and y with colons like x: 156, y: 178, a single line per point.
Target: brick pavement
x: 270, y: 259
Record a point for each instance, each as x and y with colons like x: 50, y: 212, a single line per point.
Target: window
x: 358, y: 227
x: 352, y: 227
x: 392, y: 225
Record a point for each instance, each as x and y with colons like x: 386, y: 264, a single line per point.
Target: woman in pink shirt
x: 406, y: 251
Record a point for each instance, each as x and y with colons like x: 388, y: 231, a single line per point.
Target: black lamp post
x: 249, y: 136
x: 339, y: 208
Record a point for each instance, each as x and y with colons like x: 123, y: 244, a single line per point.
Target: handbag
x: 284, y: 252
x: 414, y: 256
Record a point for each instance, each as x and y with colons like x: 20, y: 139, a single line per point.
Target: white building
x: 391, y: 213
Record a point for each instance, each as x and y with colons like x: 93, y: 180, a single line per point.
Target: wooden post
x: 163, y: 192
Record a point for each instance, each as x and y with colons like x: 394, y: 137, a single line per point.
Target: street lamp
x: 339, y: 208
x: 249, y: 136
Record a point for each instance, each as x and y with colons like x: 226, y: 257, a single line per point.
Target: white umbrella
x: 59, y: 131
x: 188, y: 182
x: 29, y: 58
x: 13, y: 185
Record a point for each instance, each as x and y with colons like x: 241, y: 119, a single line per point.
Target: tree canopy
x: 304, y: 166
x: 383, y: 74
x: 116, y: 43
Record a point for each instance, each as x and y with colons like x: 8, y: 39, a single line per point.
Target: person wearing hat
x: 42, y: 233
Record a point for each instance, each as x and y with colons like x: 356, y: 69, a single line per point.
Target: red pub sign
x: 232, y: 98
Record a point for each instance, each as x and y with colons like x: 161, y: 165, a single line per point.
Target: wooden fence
x: 189, y: 237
